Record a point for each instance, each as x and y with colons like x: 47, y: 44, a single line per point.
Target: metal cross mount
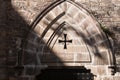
x: 65, y: 41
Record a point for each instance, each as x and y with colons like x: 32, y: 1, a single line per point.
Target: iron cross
x: 65, y: 41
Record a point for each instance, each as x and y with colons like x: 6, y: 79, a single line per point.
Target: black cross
x: 65, y: 41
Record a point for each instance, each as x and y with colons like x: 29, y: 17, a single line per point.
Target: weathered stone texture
x: 107, y: 12
x: 17, y: 15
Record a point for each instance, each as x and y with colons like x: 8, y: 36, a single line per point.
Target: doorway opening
x: 66, y: 73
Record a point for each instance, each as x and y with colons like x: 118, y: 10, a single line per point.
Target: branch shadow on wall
x: 20, y: 46
x: 23, y: 44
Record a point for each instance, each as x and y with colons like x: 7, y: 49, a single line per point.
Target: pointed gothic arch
x: 90, y: 46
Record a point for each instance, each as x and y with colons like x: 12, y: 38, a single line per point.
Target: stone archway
x: 68, y: 35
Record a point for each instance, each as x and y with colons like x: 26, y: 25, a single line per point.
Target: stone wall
x: 107, y: 13
x: 17, y: 15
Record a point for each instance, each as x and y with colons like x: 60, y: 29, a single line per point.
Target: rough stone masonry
x: 17, y: 15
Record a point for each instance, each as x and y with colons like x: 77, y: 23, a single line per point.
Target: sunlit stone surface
x: 40, y: 48
x: 88, y: 42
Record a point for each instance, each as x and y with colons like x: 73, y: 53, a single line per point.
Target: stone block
x: 116, y: 78
x: 25, y: 77
x: 12, y: 53
x: 2, y: 44
x: 11, y: 72
x: 11, y: 61
x: 116, y: 19
x: 33, y: 37
x: 29, y: 58
x: 93, y: 70
x: 30, y: 47
x: 3, y: 71
x: 3, y: 74
x: 85, y: 57
x: 101, y: 70
x: 30, y: 70
x: 78, y: 49
x: 2, y: 61
x: 2, y: 53
x: 13, y: 78
x: 49, y: 58
x: 58, y: 49
x: 97, y: 78
x: 80, y: 1
x: 64, y: 57
x: 4, y: 78
x: 107, y: 78
x: 78, y: 42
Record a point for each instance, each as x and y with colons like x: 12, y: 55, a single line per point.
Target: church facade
x: 70, y: 39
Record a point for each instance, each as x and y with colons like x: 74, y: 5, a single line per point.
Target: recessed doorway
x: 66, y: 74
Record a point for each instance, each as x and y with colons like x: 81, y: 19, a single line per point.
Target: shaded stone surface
x: 15, y: 15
